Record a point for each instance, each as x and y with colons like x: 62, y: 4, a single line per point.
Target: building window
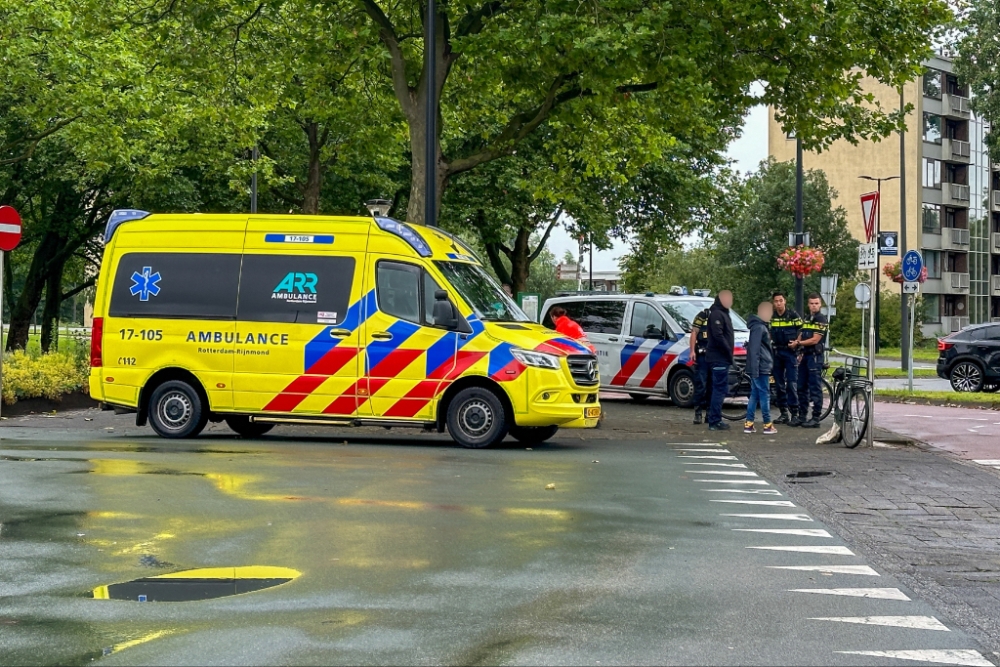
x: 932, y: 309
x: 932, y: 173
x: 932, y: 128
x: 932, y: 84
x: 932, y: 260
x: 932, y: 219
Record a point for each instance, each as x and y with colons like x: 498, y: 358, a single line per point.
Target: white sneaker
x: 833, y: 435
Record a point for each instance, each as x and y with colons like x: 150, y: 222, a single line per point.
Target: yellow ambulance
x: 267, y: 319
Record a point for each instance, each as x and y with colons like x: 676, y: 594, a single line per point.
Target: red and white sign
x: 869, y: 209
x: 10, y: 228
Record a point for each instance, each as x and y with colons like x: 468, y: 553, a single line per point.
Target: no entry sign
x: 10, y: 228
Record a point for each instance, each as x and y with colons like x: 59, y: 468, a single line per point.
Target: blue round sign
x: 912, y: 264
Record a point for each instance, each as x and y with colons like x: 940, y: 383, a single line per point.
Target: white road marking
x: 972, y: 419
x: 830, y: 569
x: 763, y: 492
x: 923, y: 416
x: 731, y: 481
x: 914, y: 622
x: 770, y: 503
x: 802, y: 532
x: 685, y: 449
x: 877, y: 593
x: 734, y: 473
x: 987, y: 462
x: 724, y: 465
x: 831, y: 551
x: 698, y: 456
x: 780, y: 517
x: 697, y: 444
x: 966, y: 657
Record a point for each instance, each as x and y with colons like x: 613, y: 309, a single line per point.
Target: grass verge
x: 919, y: 354
x: 946, y: 398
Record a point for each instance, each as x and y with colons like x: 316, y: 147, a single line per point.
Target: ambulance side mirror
x: 445, y: 315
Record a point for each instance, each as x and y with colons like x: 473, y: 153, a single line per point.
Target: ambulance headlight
x: 536, y: 359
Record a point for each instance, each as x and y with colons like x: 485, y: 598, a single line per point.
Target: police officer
x: 702, y: 377
x: 810, y: 344
x: 785, y: 325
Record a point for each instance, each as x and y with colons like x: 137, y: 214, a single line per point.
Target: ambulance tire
x: 682, y: 388
x: 246, y: 428
x: 533, y: 434
x: 176, y: 410
x: 477, y: 419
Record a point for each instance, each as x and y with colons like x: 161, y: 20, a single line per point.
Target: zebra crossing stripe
x: 966, y: 657
x: 913, y: 622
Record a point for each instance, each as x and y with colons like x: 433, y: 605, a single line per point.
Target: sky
x: 746, y: 152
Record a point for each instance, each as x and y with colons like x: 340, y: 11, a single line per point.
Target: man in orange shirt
x: 568, y: 327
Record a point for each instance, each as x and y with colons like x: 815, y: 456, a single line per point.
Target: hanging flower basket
x: 894, y: 272
x: 801, y: 261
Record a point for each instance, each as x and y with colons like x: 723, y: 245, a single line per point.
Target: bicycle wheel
x: 854, y: 421
x: 827, y: 391
x: 735, y: 405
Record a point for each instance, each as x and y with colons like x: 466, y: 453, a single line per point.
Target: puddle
x: 201, y: 584
x: 807, y: 476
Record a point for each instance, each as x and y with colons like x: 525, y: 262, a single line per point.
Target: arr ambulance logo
x: 145, y: 284
x: 297, y: 287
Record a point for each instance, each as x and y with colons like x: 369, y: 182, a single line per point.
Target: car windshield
x: 481, y: 292
x: 685, y: 310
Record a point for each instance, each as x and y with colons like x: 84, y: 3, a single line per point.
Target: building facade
x: 952, y: 194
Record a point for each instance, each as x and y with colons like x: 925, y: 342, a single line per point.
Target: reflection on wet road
x: 418, y: 552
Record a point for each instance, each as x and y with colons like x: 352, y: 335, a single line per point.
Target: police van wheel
x: 533, y: 434
x: 246, y: 428
x: 682, y: 388
x: 176, y: 410
x: 476, y: 418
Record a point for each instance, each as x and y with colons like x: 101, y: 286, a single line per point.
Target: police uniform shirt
x: 815, y: 324
x: 785, y: 328
x: 701, y: 324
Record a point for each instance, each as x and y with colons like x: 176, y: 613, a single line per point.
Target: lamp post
x: 430, y: 147
x: 799, y: 222
x: 876, y: 342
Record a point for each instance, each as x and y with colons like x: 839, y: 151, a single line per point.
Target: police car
x: 643, y: 340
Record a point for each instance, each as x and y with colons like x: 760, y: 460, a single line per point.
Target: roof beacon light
x: 406, y: 233
x: 378, y: 207
x: 118, y: 216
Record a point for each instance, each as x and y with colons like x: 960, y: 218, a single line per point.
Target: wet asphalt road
x: 415, y: 552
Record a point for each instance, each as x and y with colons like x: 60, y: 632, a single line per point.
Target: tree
x: 630, y: 77
x: 694, y: 268
x: 978, y: 55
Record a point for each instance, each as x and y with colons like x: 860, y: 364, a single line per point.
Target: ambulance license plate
x: 591, y: 413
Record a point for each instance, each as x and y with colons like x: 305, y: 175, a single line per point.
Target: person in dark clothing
x: 759, y: 364
x: 785, y: 325
x: 719, y: 355
x: 702, y: 374
x: 810, y: 345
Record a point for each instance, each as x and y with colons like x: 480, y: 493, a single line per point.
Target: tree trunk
x: 415, y: 207
x: 520, y: 261
x: 24, y: 307
x: 314, y: 170
x: 53, y: 303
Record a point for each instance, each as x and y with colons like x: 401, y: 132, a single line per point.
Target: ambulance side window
x: 430, y: 287
x: 398, y: 290
x: 176, y: 285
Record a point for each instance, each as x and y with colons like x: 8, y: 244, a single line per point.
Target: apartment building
x: 952, y: 194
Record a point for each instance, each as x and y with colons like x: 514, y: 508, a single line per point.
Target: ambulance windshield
x: 481, y: 292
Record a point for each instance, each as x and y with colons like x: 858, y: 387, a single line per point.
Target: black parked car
x: 970, y: 358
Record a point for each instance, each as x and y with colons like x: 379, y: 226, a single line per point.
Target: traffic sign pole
x: 910, y: 268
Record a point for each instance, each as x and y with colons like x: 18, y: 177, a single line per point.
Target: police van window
x: 603, y: 317
x: 176, y: 286
x: 646, y: 322
x: 574, y: 310
x: 398, y: 290
x: 302, y: 289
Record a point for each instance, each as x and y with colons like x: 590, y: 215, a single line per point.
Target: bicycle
x: 734, y: 407
x: 852, y: 412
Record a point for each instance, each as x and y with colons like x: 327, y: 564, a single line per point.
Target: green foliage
x: 28, y: 374
x: 981, y: 398
x: 845, y: 328
x: 696, y: 268
x: 979, y: 53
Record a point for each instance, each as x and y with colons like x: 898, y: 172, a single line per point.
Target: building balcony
x: 955, y: 150
x: 955, y: 195
x: 955, y: 106
x: 995, y: 197
x: 995, y: 285
x: 954, y: 283
x: 955, y: 239
x: 953, y: 324
x: 995, y: 246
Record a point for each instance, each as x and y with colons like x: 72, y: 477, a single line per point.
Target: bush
x: 29, y: 374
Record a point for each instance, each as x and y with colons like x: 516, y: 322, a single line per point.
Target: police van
x: 643, y: 340
x: 262, y: 320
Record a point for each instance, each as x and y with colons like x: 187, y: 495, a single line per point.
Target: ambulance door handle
x: 382, y: 335
x: 339, y: 333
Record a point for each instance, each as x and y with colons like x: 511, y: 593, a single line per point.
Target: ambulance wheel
x: 682, y: 388
x: 533, y: 434
x: 476, y: 418
x: 246, y: 428
x: 176, y: 410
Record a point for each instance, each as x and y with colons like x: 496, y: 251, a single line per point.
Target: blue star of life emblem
x: 145, y: 284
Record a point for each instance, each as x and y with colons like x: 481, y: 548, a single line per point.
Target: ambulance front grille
x: 583, y: 368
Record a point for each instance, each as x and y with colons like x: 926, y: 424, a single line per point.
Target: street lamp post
x: 874, y: 319
x: 799, y: 222
x: 430, y: 146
